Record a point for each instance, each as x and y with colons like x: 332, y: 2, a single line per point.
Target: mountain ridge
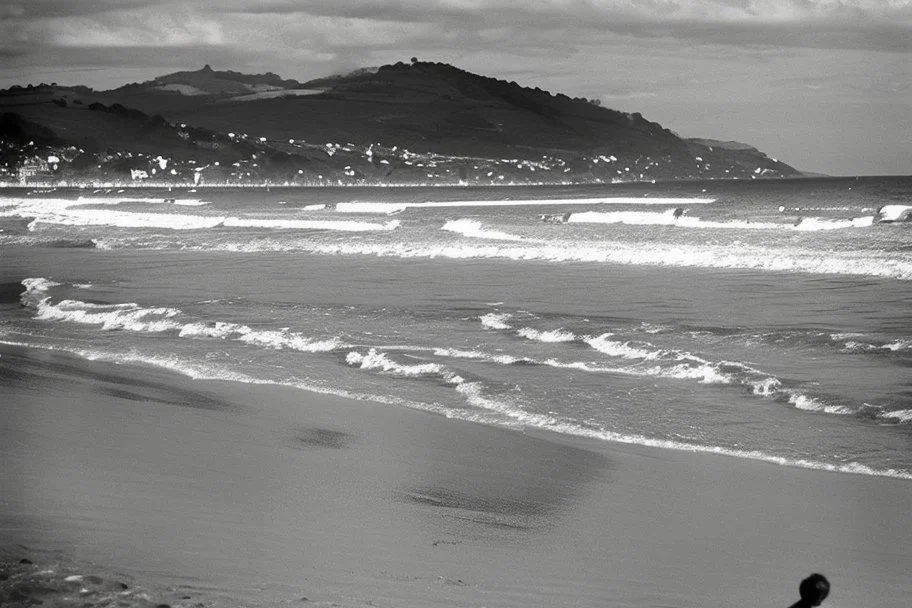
x: 402, y: 123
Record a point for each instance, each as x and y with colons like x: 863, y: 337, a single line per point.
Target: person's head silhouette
x: 813, y: 590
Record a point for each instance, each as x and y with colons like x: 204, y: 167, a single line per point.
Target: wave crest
x: 473, y: 229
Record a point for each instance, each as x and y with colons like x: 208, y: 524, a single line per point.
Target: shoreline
x: 262, y: 493
x: 579, y: 435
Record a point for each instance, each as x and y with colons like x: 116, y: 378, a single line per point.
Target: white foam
x: 554, y: 335
x: 133, y: 317
x: 845, y: 335
x: 219, y: 329
x: 344, y: 226
x: 473, y: 391
x: 784, y: 258
x: 803, y: 402
x: 813, y: 224
x: 126, y: 219
x: 677, y: 365
x: 705, y: 373
x: 494, y: 320
x: 473, y: 229
x: 898, y: 345
x: 282, y: 339
x: 766, y: 387
x: 854, y: 345
x: 613, y: 348
x: 376, y: 360
x: 316, y: 207
x: 894, y: 213
x: 97, y: 200
x: 38, y: 286
x: 130, y: 317
x: 617, y: 200
x: 663, y: 218
x: 388, y: 208
x: 100, y: 200
x: 474, y: 395
x: 903, y: 416
x: 360, y: 207
x: 480, y: 356
x: 275, y: 339
x: 667, y: 218
x: 66, y: 212
x: 780, y: 259
x: 852, y: 467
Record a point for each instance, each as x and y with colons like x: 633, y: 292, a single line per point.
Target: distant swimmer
x: 679, y: 211
x: 813, y: 590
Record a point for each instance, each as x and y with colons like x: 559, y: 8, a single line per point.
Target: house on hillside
x: 32, y: 167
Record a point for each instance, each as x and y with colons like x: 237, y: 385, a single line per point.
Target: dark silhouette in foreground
x: 813, y: 590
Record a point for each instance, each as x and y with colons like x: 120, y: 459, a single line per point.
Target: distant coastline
x: 419, y: 123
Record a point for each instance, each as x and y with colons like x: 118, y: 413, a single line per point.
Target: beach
x: 688, y: 395
x: 237, y: 494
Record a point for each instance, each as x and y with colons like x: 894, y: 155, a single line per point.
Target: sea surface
x: 768, y: 320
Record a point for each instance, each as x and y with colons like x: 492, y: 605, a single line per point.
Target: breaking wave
x: 84, y: 212
x: 861, y: 343
x: 101, y: 200
x: 129, y: 317
x: 788, y: 259
x: 554, y: 335
x: 388, y: 208
x: 494, y: 320
x: 894, y: 213
x: 376, y: 360
x: 474, y: 394
x: 676, y: 217
x: 648, y: 360
x: 614, y: 348
x: 472, y: 228
x: 808, y: 224
x: 344, y: 226
x: 171, y: 221
x: 903, y: 416
x: 135, y: 318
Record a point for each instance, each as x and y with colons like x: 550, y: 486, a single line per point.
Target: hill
x: 418, y: 122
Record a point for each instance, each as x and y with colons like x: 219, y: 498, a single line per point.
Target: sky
x: 824, y: 85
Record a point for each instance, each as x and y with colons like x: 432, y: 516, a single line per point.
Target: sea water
x: 769, y: 320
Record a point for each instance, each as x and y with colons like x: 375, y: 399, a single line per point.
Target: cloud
x: 884, y: 25
x: 562, y: 44
x: 869, y: 24
x: 144, y: 26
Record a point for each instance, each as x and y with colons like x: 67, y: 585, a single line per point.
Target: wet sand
x: 234, y: 494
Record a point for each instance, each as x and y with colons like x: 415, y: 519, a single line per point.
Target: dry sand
x: 214, y: 493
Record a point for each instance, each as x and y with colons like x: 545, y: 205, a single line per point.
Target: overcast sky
x: 825, y: 85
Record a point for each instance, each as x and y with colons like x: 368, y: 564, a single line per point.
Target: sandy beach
x: 233, y: 494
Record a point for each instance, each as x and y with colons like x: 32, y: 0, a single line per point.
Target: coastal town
x: 291, y: 163
x: 420, y: 123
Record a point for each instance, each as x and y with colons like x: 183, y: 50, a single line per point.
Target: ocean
x: 763, y: 320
